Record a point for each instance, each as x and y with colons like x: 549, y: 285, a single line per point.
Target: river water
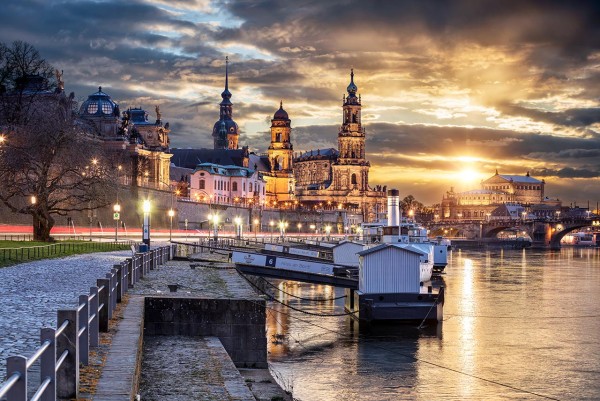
x: 518, y: 325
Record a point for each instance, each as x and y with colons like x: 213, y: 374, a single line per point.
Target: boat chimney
x: 393, y: 200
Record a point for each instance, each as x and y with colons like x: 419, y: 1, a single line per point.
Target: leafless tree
x: 50, y: 166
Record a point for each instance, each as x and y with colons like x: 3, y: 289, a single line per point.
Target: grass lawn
x: 14, y: 252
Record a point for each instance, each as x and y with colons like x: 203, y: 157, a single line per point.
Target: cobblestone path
x: 31, y: 293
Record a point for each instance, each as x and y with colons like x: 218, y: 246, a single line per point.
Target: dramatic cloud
x: 483, y: 85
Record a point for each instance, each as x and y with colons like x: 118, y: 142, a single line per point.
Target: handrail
x: 62, y: 358
x: 43, y: 386
x: 9, y: 383
x: 62, y: 328
x: 38, y: 353
x: 93, y: 312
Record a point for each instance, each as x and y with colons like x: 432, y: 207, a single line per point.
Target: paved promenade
x: 31, y: 293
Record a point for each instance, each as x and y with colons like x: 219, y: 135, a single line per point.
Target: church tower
x: 225, y: 132
x: 351, y: 169
x: 351, y: 138
x: 280, y: 178
x: 281, y: 149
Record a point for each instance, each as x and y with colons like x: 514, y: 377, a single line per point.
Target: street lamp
x: 281, y: 229
x: 271, y: 223
x: 299, y: 227
x: 116, y: 216
x: 216, y: 227
x: 327, y: 231
x: 255, y: 228
x: 523, y: 214
x: 146, y: 226
x: 238, y: 227
x: 171, y: 214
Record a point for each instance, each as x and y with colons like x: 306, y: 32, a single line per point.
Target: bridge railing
x: 64, y: 349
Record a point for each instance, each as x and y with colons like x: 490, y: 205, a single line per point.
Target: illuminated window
x: 107, y: 108
x: 92, y: 108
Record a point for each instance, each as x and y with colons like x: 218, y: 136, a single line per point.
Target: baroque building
x: 280, y: 173
x: 341, y: 176
x: 225, y: 132
x: 141, y: 146
x: 496, y: 194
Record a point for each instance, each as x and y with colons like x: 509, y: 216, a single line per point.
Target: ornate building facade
x: 341, y: 177
x: 280, y: 176
x: 225, y: 132
x: 142, y: 146
x: 495, y: 194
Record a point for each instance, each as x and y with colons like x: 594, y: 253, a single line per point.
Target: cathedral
x: 341, y: 176
x: 315, y: 179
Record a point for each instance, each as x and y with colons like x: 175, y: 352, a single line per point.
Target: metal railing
x: 63, y: 350
x: 29, y: 253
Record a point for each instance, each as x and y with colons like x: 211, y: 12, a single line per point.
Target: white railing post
x: 17, y: 364
x: 84, y: 332
x: 93, y: 320
x: 48, y: 364
x: 67, y: 375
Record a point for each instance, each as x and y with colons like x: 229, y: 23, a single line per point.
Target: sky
x: 451, y: 90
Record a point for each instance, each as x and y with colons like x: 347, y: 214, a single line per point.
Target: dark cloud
x: 568, y: 118
x: 566, y: 172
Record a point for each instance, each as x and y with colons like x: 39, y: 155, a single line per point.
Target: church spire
x: 352, y: 89
x: 226, y: 94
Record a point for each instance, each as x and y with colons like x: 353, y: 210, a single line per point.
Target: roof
x: 190, y: 158
x: 482, y: 192
x: 260, y: 163
x: 345, y: 242
x: 516, y: 178
x: 403, y: 247
x: 231, y: 170
x: 329, y: 153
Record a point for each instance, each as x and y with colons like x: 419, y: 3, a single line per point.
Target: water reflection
x: 518, y: 325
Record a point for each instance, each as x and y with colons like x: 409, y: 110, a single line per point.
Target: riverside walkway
x: 202, y: 368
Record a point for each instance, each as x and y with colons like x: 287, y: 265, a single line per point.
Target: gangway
x: 289, y: 268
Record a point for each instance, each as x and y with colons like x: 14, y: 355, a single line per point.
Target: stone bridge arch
x: 557, y: 235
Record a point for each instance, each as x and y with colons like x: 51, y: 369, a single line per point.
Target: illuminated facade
x: 500, y: 189
x: 341, y: 177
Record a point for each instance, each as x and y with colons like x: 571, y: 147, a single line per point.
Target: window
x: 234, y: 187
x: 354, y: 179
x: 201, y: 185
x: 244, y: 186
x: 250, y: 187
x: 215, y: 185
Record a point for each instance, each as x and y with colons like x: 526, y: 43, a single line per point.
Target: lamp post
x: 216, y: 227
x: 146, y: 226
x: 271, y: 223
x: 117, y: 216
x: 238, y: 227
x: 255, y: 228
x: 171, y: 214
x: 328, y: 231
x: 281, y: 229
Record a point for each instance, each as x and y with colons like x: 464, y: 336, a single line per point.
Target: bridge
x: 544, y: 232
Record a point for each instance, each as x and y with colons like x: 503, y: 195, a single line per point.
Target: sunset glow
x: 445, y: 103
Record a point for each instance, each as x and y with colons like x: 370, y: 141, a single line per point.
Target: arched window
x: 201, y: 185
x: 354, y: 179
x: 250, y: 189
x: 234, y: 186
x: 278, y: 137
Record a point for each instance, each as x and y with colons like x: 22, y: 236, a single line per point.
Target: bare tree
x: 50, y: 166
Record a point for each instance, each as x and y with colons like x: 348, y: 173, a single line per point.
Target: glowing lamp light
x: 146, y: 206
x: 117, y: 208
x: 171, y: 212
x: 33, y: 200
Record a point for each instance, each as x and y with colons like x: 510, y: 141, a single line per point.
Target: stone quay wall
x: 238, y: 323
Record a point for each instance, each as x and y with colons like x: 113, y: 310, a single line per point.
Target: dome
x: 352, y: 87
x: 230, y: 126
x: 99, y: 104
x: 281, y: 114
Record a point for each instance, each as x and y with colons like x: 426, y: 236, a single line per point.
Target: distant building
x: 500, y: 196
x: 341, y: 177
x: 140, y: 145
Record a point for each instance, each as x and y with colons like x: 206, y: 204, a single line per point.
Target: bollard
x: 93, y: 324
x: 48, y: 364
x: 67, y: 375
x: 103, y: 301
x: 84, y: 333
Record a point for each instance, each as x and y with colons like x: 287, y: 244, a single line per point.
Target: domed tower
x: 103, y: 112
x: 351, y: 138
x: 281, y: 149
x: 225, y: 132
